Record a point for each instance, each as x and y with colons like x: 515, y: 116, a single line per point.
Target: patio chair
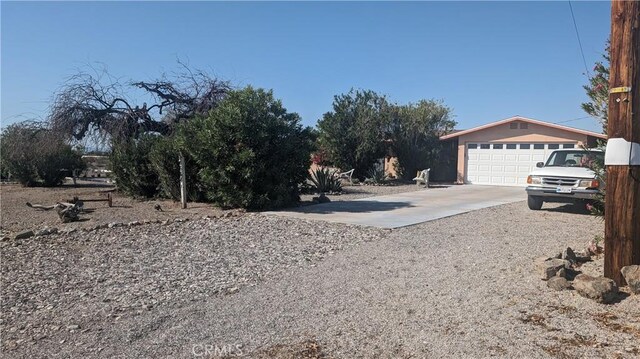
x: 422, y: 177
x: 347, y: 175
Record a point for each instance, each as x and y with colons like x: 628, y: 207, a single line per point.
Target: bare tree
x: 99, y: 104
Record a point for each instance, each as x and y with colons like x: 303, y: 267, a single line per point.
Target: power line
x: 586, y: 68
x: 575, y: 119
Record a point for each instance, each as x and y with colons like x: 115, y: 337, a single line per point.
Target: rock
x: 549, y: 267
x: 115, y: 225
x: 583, y: 256
x: 558, y: 283
x: 73, y: 327
x: 134, y: 223
x: 569, y: 254
x: 24, y: 235
x: 562, y: 273
x: 600, y: 289
x: 43, y: 232
x: 631, y: 274
x: 53, y: 230
x: 233, y: 290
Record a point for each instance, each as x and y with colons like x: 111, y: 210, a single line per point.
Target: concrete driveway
x: 405, y: 209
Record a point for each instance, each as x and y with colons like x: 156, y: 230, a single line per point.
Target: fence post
x: 183, y: 182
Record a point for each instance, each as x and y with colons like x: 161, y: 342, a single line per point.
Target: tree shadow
x: 570, y: 208
x: 352, y: 207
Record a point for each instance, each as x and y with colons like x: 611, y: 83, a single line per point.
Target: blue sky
x: 486, y: 60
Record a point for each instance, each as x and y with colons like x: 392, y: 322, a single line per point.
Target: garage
x: 503, y: 153
x: 506, y: 164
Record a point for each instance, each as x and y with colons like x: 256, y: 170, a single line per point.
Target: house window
x: 497, y: 146
x: 525, y: 146
x: 568, y: 145
x: 511, y: 146
x: 513, y: 125
x: 524, y: 125
x: 472, y: 145
x: 484, y: 146
x: 553, y: 146
x: 538, y: 146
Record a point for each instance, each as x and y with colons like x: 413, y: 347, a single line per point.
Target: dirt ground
x: 16, y: 216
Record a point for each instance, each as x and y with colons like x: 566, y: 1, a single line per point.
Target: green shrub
x: 165, y: 162
x: 325, y: 180
x: 33, y: 155
x: 131, y: 165
x: 596, y: 206
x: 250, y: 151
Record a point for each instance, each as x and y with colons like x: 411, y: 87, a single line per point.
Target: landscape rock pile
x: 562, y: 272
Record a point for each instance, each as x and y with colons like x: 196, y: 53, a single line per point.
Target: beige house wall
x: 504, y: 134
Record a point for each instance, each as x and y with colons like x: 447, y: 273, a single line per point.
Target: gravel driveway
x: 264, y: 286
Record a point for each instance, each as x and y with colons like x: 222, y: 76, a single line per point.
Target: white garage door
x: 505, y: 164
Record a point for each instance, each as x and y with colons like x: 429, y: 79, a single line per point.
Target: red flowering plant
x: 320, y: 158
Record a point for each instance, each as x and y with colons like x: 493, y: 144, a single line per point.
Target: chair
x: 346, y: 175
x: 422, y: 177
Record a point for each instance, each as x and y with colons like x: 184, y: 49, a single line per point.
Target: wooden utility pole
x: 622, y: 208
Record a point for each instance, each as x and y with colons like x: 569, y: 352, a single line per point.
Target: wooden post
x: 622, y: 208
x: 183, y: 182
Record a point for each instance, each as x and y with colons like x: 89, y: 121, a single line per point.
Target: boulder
x: 600, y: 289
x: 549, y: 267
x: 558, y: 283
x: 631, y: 274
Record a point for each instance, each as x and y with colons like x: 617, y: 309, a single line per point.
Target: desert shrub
x: 131, y: 165
x: 165, y: 162
x: 325, y: 180
x: 377, y: 176
x: 251, y: 152
x: 33, y: 155
x: 596, y: 206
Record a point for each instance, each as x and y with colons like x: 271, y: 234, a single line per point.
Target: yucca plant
x: 325, y: 180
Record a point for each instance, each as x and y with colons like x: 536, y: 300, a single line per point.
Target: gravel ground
x: 265, y: 286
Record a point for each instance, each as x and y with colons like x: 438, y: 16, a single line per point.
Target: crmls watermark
x: 209, y: 350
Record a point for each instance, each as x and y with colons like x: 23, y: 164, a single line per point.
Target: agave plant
x: 325, y: 180
x: 377, y: 175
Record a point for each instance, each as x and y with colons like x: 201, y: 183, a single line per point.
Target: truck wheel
x: 534, y: 202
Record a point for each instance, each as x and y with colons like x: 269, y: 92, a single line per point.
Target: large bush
x: 251, y: 152
x: 165, y: 162
x: 354, y: 134
x: 33, y: 155
x: 416, y: 129
x: 132, y: 168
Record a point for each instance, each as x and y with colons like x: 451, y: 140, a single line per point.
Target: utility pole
x: 622, y: 160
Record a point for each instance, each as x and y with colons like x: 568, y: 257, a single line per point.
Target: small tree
x: 251, y: 152
x: 354, y: 133
x: 416, y: 131
x: 34, y: 155
x: 598, y: 91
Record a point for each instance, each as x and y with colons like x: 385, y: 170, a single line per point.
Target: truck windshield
x: 576, y: 158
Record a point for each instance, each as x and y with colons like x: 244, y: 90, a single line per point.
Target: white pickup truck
x: 565, y: 177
